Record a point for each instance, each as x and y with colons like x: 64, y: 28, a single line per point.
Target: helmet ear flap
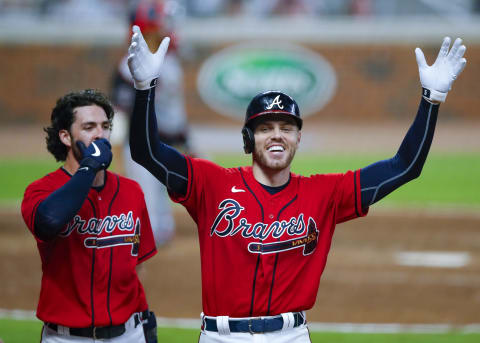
x: 248, y: 140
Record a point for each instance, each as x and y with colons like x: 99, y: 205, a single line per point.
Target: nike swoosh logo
x: 83, y: 168
x: 236, y: 190
x: 97, y: 150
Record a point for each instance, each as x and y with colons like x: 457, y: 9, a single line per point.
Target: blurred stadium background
x: 360, y: 88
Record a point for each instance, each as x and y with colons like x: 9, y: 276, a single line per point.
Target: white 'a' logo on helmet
x: 277, y: 102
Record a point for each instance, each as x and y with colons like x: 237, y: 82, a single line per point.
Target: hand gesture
x: 97, y: 156
x: 437, y: 79
x: 145, y: 66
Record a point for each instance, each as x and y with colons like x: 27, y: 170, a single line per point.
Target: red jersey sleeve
x: 343, y: 191
x: 147, y: 247
x: 203, y: 177
x: 347, y: 197
x: 34, y: 194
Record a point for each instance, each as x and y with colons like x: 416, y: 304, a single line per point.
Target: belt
x: 96, y: 332
x: 255, y: 324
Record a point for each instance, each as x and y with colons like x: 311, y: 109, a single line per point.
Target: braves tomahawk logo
x: 226, y: 224
x: 112, y: 241
x: 277, y: 102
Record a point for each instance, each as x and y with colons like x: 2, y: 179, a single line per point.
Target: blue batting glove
x: 97, y: 156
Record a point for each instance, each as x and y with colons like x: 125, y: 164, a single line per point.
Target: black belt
x: 254, y: 325
x: 97, y: 332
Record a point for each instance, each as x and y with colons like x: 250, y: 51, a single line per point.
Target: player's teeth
x: 275, y: 148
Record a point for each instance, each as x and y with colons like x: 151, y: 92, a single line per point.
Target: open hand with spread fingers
x: 437, y: 79
x: 145, y: 66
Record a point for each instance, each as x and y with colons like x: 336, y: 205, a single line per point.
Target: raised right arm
x: 164, y: 162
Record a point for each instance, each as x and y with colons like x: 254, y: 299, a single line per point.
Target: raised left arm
x: 381, y: 178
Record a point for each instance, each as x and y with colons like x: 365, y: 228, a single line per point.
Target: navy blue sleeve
x: 161, y: 160
x: 381, y: 178
x: 62, y: 205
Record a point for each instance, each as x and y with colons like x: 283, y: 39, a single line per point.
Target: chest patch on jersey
x: 228, y: 223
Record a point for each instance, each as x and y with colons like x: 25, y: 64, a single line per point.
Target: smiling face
x: 90, y: 123
x: 276, y: 142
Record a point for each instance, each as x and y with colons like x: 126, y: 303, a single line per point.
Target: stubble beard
x: 76, y: 151
x: 261, y: 158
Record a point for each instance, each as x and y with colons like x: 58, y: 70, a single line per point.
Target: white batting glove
x: 144, y: 66
x: 437, y: 79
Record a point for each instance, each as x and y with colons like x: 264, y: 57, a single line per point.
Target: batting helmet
x: 268, y: 104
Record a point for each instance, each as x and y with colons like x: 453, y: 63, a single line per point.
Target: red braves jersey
x: 89, y: 276
x: 263, y: 254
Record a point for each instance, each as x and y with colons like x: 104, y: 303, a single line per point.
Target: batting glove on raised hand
x: 437, y: 79
x: 97, y: 156
x: 145, y: 66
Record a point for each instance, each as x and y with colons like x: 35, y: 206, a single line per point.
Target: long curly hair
x: 62, y: 117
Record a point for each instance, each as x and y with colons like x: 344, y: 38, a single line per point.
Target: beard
x: 76, y: 151
x: 262, y: 158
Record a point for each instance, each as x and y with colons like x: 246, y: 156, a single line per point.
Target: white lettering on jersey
x: 123, y: 222
x: 225, y: 225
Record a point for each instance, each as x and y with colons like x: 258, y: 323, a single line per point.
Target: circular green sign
x: 229, y: 79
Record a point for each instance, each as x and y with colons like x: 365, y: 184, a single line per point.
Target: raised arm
x: 381, y: 178
x: 164, y: 162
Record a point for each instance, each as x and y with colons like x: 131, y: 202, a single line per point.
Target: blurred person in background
x: 156, y: 18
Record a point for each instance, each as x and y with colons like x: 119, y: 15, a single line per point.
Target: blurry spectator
x: 156, y: 19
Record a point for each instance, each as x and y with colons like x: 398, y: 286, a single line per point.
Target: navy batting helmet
x: 268, y: 104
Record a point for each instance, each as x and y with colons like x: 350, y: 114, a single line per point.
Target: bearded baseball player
x: 265, y: 232
x: 92, y: 230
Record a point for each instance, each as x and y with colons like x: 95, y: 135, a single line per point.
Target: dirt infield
x: 361, y: 283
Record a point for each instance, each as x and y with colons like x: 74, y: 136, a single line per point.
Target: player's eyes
x: 288, y: 128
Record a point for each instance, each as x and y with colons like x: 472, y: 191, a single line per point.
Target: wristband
x: 144, y: 85
x: 433, y: 95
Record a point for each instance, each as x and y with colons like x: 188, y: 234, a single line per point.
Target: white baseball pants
x: 132, y: 335
x: 288, y: 334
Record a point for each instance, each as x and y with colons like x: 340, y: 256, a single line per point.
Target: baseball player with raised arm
x: 265, y: 232
x: 92, y: 230
x: 155, y: 20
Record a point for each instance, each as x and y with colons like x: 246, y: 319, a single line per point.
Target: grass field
x: 26, y: 331
x: 447, y: 179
